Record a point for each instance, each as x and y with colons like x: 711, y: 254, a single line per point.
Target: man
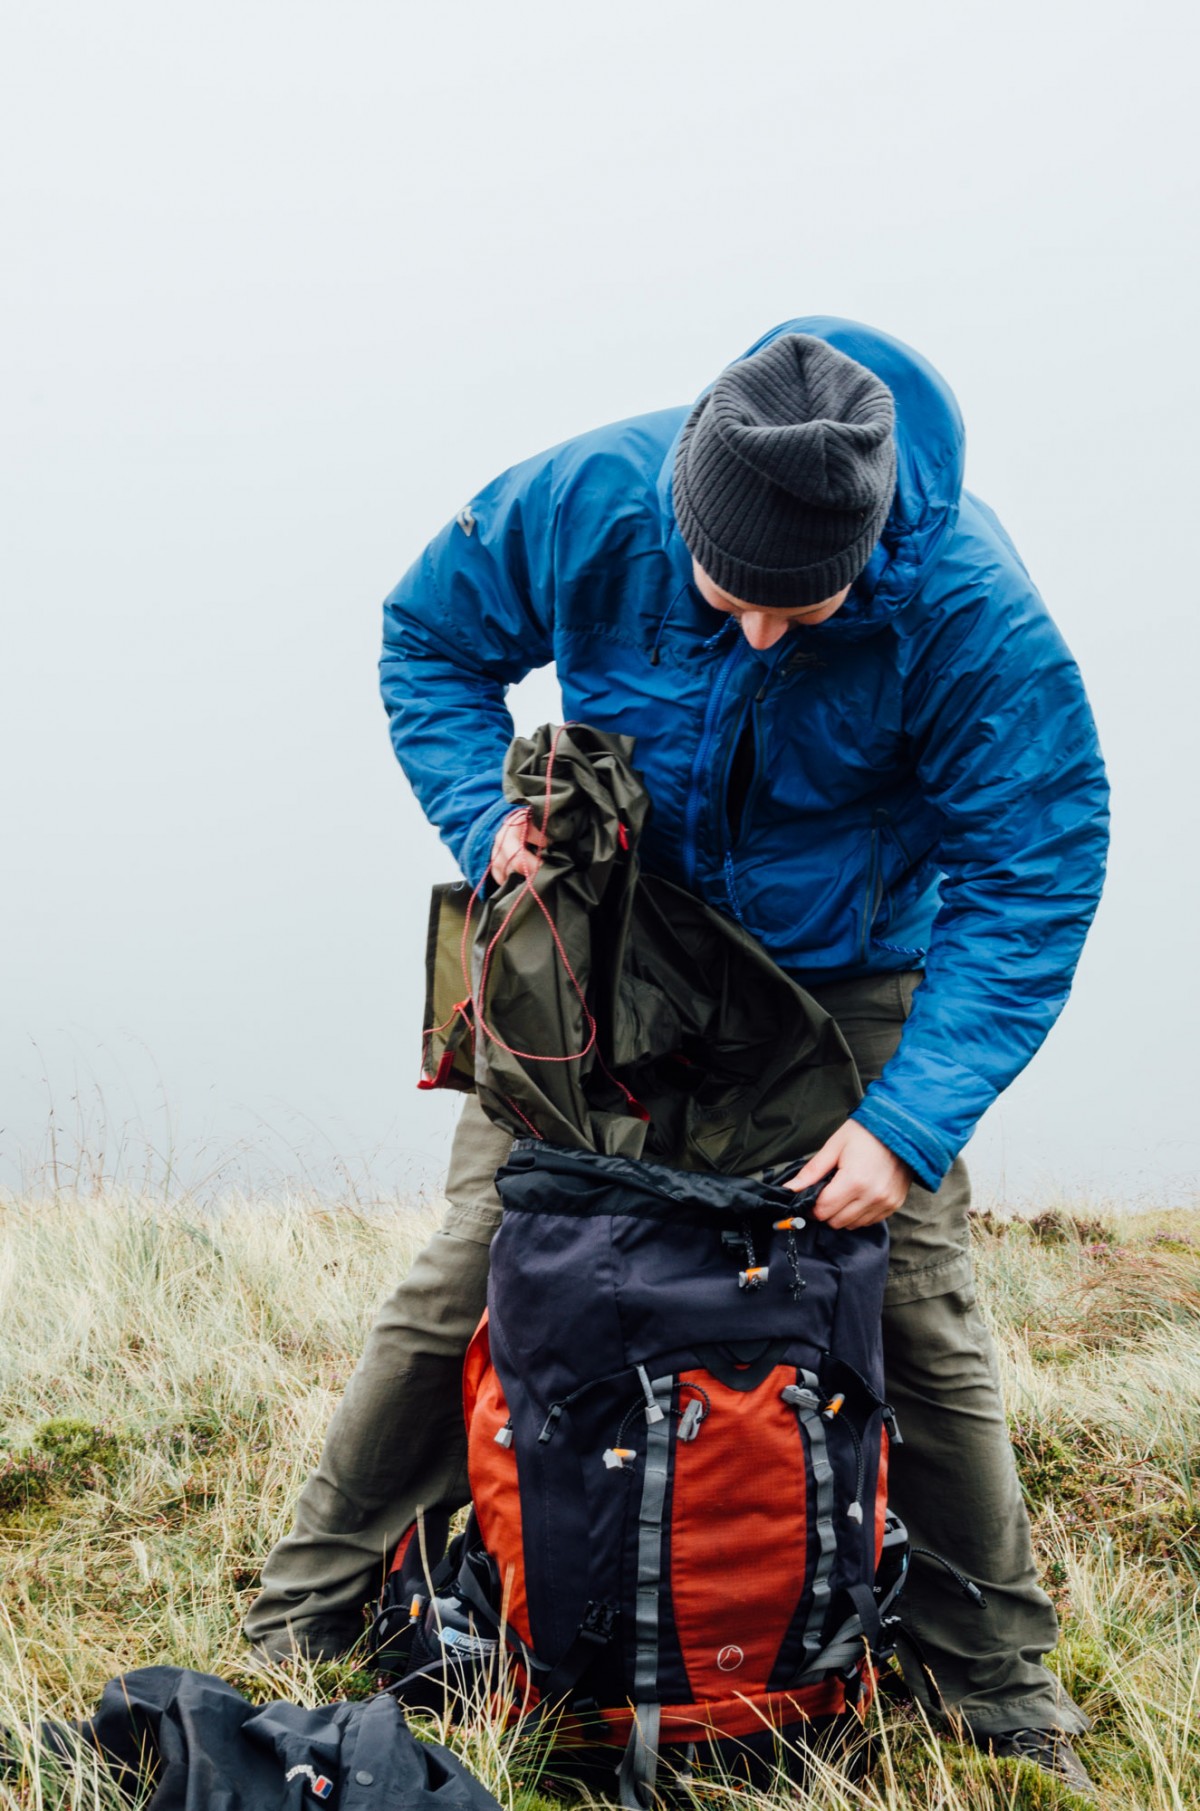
x: 864, y: 740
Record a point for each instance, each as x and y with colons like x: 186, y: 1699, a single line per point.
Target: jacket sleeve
x: 1007, y: 757
x: 470, y: 618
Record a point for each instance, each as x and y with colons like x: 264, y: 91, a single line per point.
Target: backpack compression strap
x: 639, y: 1764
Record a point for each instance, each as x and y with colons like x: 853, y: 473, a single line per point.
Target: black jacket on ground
x: 206, y: 1748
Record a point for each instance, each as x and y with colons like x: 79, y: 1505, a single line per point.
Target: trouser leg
x: 954, y: 1481
x: 396, y: 1443
x: 954, y: 1485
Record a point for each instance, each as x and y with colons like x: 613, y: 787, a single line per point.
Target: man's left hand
x: 869, y: 1184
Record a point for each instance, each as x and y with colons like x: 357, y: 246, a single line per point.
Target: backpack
x: 677, y: 1449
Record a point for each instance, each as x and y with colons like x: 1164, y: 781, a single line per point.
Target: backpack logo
x: 730, y: 1658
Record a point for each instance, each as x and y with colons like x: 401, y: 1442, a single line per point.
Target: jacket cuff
x: 916, y: 1144
x: 476, y: 851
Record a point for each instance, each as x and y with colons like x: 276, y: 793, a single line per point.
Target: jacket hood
x: 930, y: 453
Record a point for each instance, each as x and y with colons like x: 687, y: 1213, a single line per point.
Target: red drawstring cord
x: 475, y: 998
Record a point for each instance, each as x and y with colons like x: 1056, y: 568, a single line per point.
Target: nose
x: 762, y: 628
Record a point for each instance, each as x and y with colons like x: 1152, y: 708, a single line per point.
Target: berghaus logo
x: 319, y: 1784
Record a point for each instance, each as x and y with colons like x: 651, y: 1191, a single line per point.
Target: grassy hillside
x: 165, y: 1377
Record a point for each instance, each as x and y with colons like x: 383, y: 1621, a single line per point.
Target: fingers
x: 517, y: 847
x: 825, y: 1160
x: 855, y: 1214
x: 523, y: 862
x: 843, y: 1195
x: 856, y: 1199
x: 869, y: 1182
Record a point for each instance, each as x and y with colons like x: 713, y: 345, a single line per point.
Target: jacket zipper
x: 751, y: 720
x: 700, y: 766
x: 871, y: 901
x: 747, y: 725
x: 881, y: 827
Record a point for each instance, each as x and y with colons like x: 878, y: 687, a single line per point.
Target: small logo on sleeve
x: 466, y: 519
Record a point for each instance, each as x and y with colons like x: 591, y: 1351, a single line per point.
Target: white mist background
x: 287, y: 283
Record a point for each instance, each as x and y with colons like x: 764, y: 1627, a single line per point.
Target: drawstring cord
x: 664, y: 619
x: 474, y: 996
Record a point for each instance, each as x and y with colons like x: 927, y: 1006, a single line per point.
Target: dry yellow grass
x: 166, y: 1374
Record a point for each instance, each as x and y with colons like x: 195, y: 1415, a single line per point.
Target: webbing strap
x: 471, y: 1592
x: 845, y: 1647
x: 593, y: 1634
x: 807, y: 1404
x: 869, y: 1613
x: 650, y: 1540
x: 639, y: 1764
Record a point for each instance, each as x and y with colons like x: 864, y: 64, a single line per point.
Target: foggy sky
x: 286, y: 284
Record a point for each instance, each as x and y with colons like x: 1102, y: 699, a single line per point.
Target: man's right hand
x: 517, y: 847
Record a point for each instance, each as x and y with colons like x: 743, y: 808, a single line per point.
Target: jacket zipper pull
x: 504, y: 1435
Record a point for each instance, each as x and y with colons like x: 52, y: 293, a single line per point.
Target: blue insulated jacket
x: 927, y: 790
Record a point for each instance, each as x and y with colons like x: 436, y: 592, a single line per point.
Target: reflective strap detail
x: 639, y: 1763
x: 650, y: 1542
x: 807, y: 1404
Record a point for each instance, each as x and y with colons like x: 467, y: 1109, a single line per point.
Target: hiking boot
x: 314, y: 1641
x: 1048, y: 1749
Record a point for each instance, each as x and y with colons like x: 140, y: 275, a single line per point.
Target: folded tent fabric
x: 612, y: 1011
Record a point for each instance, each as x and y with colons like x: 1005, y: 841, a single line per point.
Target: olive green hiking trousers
x: 396, y: 1443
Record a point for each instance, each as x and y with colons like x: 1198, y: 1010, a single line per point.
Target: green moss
x: 1086, y: 1672
x: 78, y: 1449
x: 66, y: 1459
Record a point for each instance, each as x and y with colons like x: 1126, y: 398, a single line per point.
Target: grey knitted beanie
x: 785, y: 473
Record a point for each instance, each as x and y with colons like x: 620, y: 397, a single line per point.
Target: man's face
x: 763, y: 628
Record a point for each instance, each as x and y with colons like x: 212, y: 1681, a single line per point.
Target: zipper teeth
x: 731, y: 888
x: 692, y: 814
x: 860, y: 1473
